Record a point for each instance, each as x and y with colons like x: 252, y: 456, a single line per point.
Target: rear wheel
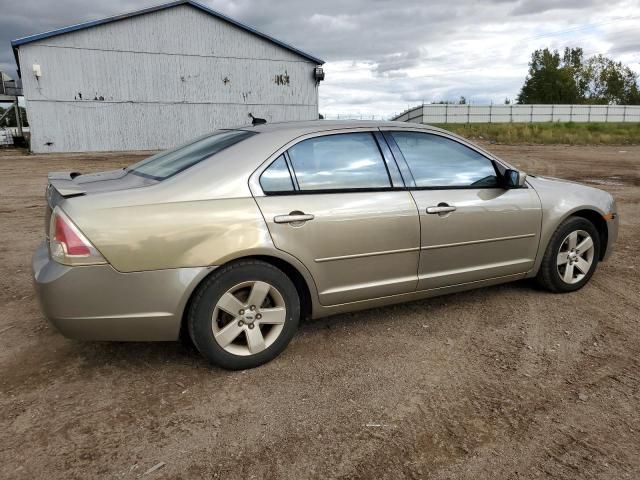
x: 571, y: 256
x: 244, y: 315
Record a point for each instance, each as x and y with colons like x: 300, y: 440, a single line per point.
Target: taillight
x: 71, y: 243
x: 68, y: 245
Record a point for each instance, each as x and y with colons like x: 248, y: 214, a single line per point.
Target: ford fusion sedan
x: 234, y: 237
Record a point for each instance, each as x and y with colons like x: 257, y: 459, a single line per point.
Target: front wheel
x: 244, y: 315
x: 571, y: 256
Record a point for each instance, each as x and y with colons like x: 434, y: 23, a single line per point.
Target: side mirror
x: 514, y: 178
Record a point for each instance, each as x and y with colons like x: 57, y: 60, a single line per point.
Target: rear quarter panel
x: 174, y: 234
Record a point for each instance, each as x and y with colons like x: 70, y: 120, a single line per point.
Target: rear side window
x: 437, y: 161
x: 343, y: 161
x: 277, y: 178
x: 170, y: 162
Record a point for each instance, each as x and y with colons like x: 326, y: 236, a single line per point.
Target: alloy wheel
x: 248, y: 318
x: 575, y: 256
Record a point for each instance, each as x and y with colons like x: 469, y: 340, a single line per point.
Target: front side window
x: 437, y: 161
x: 339, y: 162
x: 170, y: 162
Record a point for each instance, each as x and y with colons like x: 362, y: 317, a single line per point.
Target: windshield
x: 164, y: 164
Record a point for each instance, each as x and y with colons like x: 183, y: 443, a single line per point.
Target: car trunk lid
x: 62, y: 185
x: 71, y: 184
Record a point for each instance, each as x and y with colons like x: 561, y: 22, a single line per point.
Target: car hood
x: 570, y: 195
x: 544, y: 178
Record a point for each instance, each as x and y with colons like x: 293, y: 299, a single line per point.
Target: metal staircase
x: 10, y: 90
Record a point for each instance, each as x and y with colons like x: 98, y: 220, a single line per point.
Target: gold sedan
x: 234, y: 237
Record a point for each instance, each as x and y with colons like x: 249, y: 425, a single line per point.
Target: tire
x: 553, y: 274
x: 233, y: 340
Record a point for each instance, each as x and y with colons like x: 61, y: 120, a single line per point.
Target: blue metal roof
x: 81, y: 26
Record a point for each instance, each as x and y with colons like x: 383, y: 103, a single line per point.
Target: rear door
x: 472, y: 229
x: 335, y: 202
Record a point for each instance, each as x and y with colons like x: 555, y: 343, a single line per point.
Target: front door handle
x: 441, y: 208
x: 293, y: 217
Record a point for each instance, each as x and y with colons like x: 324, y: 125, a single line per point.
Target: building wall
x: 157, y: 80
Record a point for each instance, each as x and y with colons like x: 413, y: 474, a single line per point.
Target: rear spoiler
x: 64, y: 184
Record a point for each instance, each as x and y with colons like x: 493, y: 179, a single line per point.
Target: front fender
x: 560, y: 199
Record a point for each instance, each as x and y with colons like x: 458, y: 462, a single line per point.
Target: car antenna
x: 257, y: 121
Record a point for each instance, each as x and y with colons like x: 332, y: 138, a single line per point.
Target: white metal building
x: 157, y: 77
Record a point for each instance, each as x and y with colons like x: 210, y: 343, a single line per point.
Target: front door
x: 472, y: 229
x: 330, y: 201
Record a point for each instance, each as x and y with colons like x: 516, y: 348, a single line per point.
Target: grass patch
x: 568, y: 133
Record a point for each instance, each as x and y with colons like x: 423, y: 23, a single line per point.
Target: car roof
x: 312, y: 126
x: 274, y: 135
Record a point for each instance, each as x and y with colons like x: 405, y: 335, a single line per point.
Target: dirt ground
x: 507, y: 382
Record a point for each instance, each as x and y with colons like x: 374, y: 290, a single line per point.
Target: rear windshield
x: 164, y: 164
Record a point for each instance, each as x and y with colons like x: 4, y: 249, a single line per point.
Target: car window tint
x: 276, y: 178
x: 437, y: 161
x: 343, y: 161
x: 168, y: 163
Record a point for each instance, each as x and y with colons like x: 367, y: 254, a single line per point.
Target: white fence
x: 353, y: 116
x: 450, y: 113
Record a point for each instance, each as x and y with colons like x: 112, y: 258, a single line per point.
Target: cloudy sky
x: 385, y: 55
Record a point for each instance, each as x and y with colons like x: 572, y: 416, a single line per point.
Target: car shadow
x: 153, y: 355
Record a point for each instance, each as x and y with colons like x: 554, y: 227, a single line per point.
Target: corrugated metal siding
x: 164, y: 77
x: 136, y: 77
x: 147, y: 127
x: 182, y: 30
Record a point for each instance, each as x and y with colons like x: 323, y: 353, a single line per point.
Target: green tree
x: 610, y: 82
x: 552, y: 78
x: 461, y: 101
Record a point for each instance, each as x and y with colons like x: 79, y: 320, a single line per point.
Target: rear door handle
x: 293, y: 217
x: 441, y: 208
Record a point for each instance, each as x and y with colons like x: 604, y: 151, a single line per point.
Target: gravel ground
x: 504, y: 382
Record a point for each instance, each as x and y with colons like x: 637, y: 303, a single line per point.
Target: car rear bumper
x: 99, y: 303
